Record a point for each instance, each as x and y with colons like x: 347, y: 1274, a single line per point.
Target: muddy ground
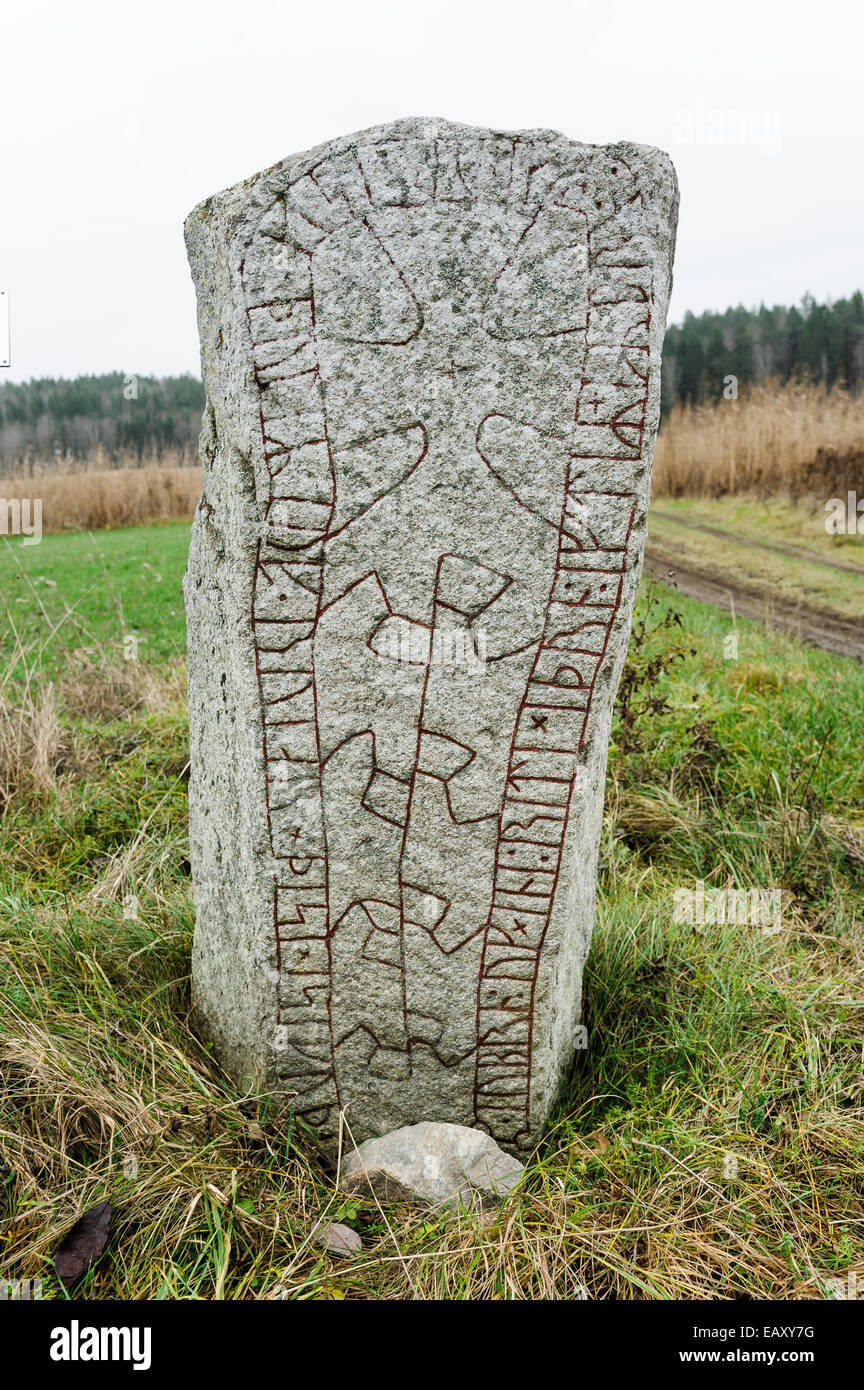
x: 818, y: 626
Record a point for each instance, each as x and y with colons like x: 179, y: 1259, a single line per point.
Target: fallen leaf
x: 83, y: 1245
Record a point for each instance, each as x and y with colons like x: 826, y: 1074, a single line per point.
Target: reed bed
x: 102, y: 500
x: 797, y: 439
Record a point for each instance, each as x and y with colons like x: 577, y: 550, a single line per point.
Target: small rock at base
x: 440, y: 1164
x: 338, y: 1239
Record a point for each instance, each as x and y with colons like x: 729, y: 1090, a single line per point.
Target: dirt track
x: 812, y: 557
x: 816, y: 626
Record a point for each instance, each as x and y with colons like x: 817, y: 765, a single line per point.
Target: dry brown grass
x: 106, y: 498
x: 33, y: 743
x: 103, y: 691
x: 225, y: 1195
x: 96, y: 460
x: 796, y: 439
x: 39, y: 747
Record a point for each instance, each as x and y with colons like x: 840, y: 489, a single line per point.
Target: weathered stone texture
x: 443, y: 1165
x: 432, y: 363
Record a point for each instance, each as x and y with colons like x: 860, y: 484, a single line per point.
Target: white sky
x: 117, y: 119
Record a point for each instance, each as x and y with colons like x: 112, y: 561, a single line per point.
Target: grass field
x: 709, y: 1141
x: 88, y: 592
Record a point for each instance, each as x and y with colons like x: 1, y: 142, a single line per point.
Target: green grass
x: 93, y: 590
x: 709, y: 1046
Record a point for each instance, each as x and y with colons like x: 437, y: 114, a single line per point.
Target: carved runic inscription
x: 444, y: 347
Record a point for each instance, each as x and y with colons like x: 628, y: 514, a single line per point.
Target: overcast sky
x: 117, y: 119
